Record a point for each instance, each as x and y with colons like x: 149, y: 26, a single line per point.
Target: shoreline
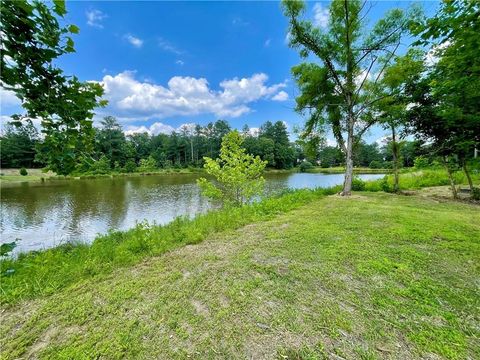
x: 12, y: 176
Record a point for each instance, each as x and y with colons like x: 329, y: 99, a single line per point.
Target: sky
x: 164, y: 64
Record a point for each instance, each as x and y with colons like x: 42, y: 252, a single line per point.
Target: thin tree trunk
x: 191, y: 147
x: 450, y: 177
x: 467, y: 174
x: 396, y: 186
x: 347, y: 184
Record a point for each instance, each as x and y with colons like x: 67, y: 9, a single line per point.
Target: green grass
x: 20, y: 178
x: 10, y: 176
x: 41, y: 273
x: 414, y: 179
x: 370, y: 277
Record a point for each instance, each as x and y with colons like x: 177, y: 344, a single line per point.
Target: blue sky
x: 164, y: 64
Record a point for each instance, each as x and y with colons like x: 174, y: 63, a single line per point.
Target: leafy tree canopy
x: 32, y: 38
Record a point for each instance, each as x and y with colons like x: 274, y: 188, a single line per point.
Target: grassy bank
x: 41, y: 273
x: 13, y: 175
x: 35, y: 175
x: 374, y: 276
x: 418, y: 179
x: 341, y: 170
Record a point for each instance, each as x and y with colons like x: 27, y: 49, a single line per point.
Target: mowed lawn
x: 375, y: 276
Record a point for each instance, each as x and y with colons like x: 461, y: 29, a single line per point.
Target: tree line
x: 187, y: 146
x: 113, y: 150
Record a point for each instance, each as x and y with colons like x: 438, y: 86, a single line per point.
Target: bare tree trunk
x: 396, y: 186
x: 347, y: 184
x: 191, y: 147
x: 467, y: 174
x: 450, y: 177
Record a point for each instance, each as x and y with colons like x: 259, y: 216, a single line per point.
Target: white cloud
x: 95, y: 17
x: 381, y: 141
x: 180, y: 62
x: 432, y: 56
x: 321, y: 16
x: 183, y: 96
x: 254, y: 131
x: 281, y: 96
x: 135, y: 41
x: 36, y: 122
x: 154, y: 129
x: 288, y: 38
x: 187, y: 128
x: 267, y: 42
x: 331, y: 142
x: 167, y: 46
x: 130, y: 99
x: 8, y: 98
x: 364, y: 75
x: 238, y: 21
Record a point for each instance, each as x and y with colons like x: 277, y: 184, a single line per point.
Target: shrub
x: 305, y: 165
x: 148, y: 164
x: 358, y: 184
x: 130, y: 166
x: 384, y: 185
x: 117, y: 167
x: 375, y: 164
x: 476, y: 193
x: 238, y: 175
x: 421, y: 162
x: 101, y: 166
x: 23, y: 171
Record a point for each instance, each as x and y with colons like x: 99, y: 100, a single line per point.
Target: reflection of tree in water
x: 30, y: 204
x: 77, y: 210
x: 63, y: 208
x: 159, y: 199
x: 101, y: 203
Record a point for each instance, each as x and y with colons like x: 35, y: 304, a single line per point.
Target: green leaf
x: 59, y: 7
x: 74, y: 29
x: 6, y: 248
x: 70, y: 45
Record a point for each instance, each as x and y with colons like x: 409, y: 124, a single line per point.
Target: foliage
x: 18, y: 146
x: 413, y: 180
x: 476, y: 193
x: 421, y: 162
x: 7, y: 248
x: 130, y: 166
x: 23, y: 171
x: 182, y: 149
x: 110, y: 141
x: 305, y: 166
x: 32, y: 39
x: 358, y: 184
x: 101, y: 166
x: 333, y: 92
x: 446, y: 95
x: 147, y: 164
x: 238, y: 175
x: 375, y: 164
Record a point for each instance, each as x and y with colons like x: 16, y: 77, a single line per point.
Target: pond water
x: 43, y: 215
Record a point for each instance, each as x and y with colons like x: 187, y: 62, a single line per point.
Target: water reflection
x: 43, y: 215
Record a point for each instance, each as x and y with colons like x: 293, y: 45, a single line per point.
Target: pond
x: 43, y: 215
